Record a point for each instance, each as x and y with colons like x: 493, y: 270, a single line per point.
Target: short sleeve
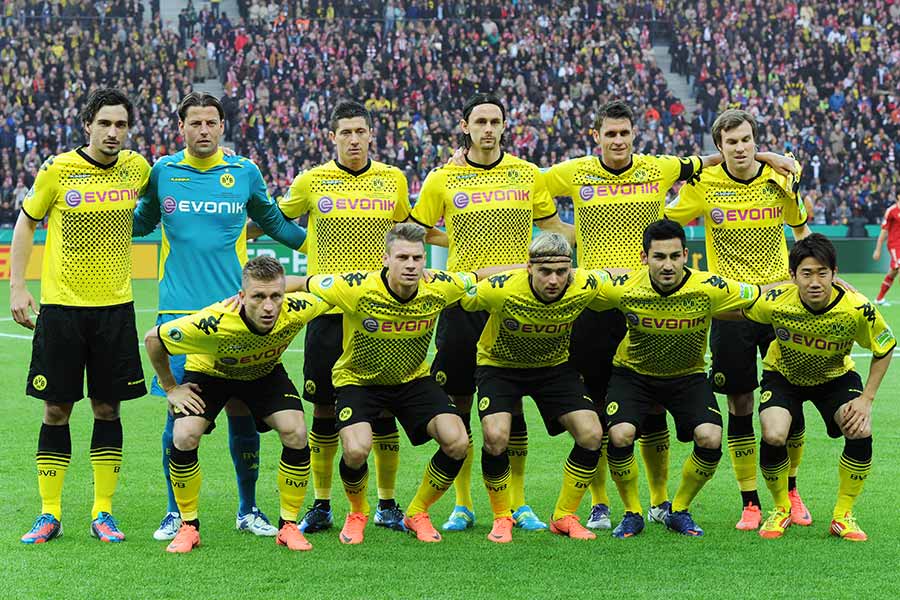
x: 306, y: 306
x: 335, y: 289
x: 479, y: 297
x: 43, y: 192
x: 192, y: 334
x: 544, y: 206
x: 555, y: 180
x: 401, y: 209
x: 872, y: 330
x: 603, y: 285
x: 430, y: 206
x: 727, y: 294
x: 690, y: 204
x: 452, y: 286
x: 761, y: 311
x: 296, y: 202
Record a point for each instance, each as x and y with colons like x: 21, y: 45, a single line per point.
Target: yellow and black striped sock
x: 853, y: 468
x: 53, y: 456
x: 517, y: 450
x: 699, y: 468
x: 439, y: 475
x: 742, y: 450
x: 386, y: 448
x: 462, y: 485
x: 293, y: 477
x: 654, y: 446
x: 184, y: 471
x: 106, y: 461
x: 774, y: 464
x: 323, y: 446
x: 624, y: 471
x: 356, y: 483
x: 495, y: 472
x: 795, y: 443
x: 578, y: 472
x: 598, y: 482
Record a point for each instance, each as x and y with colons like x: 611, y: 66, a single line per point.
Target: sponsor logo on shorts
x: 346, y: 413
x: 310, y: 386
x: 175, y: 334
x: 39, y: 383
x: 484, y: 403
x: 228, y: 360
x: 511, y: 324
x: 370, y: 324
x: 765, y: 397
x: 719, y: 379
x: 612, y: 408
x: 441, y: 378
x: 169, y: 205
x: 227, y: 180
x: 782, y: 334
x: 632, y: 319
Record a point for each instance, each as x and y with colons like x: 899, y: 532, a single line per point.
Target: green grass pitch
x: 807, y: 563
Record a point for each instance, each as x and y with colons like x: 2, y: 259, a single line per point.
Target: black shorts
x: 414, y: 404
x: 556, y: 391
x: 594, y: 341
x: 264, y: 396
x: 69, y: 340
x: 689, y: 399
x: 735, y: 346
x: 457, y: 345
x: 827, y: 397
x: 322, y: 348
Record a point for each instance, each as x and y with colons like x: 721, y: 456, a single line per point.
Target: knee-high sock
x: 654, y: 445
x: 885, y: 286
x: 853, y: 468
x: 106, y: 461
x: 171, y: 505
x: 578, y: 472
x: 439, y: 475
x: 517, y: 450
x: 293, y: 477
x: 624, y: 471
x: 323, y: 445
x: 775, y: 465
x: 243, y: 441
x: 598, y: 483
x: 462, y: 485
x: 742, y: 450
x: 386, y: 448
x: 699, y: 468
x: 53, y: 456
x: 184, y: 468
x: 795, y: 443
x: 356, y: 483
x: 495, y: 472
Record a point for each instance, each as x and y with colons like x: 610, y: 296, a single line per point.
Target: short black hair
x: 482, y: 98
x: 348, y: 109
x: 199, y: 99
x: 664, y: 229
x: 106, y: 97
x: 616, y: 109
x: 815, y: 246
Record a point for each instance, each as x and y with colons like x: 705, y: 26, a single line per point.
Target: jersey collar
x: 80, y: 151
x: 687, y: 275
x: 351, y: 171
x: 391, y: 292
x: 743, y: 181
x: 616, y: 171
x: 203, y: 164
x: 486, y: 167
x: 832, y: 304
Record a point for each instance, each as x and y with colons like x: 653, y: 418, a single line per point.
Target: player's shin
x: 598, y: 482
x: 439, y: 475
x: 356, y: 483
x: 624, y: 471
x: 293, y: 477
x: 243, y: 442
x: 106, y: 461
x: 742, y: 450
x: 53, y: 456
x: 323, y: 445
x: 517, y: 450
x: 386, y: 449
x: 578, y: 472
x: 184, y: 469
x: 654, y: 447
x: 853, y: 469
x: 698, y: 469
x: 495, y: 471
x: 775, y: 465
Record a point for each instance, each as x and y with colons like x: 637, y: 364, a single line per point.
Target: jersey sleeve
x: 482, y: 296
x: 544, y: 206
x: 794, y: 207
x: 872, y: 330
x: 296, y: 201
x: 402, y: 208
x: 306, y: 306
x: 263, y: 210
x: 335, y: 290
x: 452, y: 286
x: 147, y: 213
x: 430, y: 206
x: 761, y: 311
x: 182, y: 336
x: 678, y: 169
x: 556, y: 181
x: 690, y: 204
x: 604, y: 298
x: 43, y: 192
x: 728, y: 294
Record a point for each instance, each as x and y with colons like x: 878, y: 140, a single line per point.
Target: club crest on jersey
x: 226, y: 180
x: 513, y: 175
x: 370, y: 324
x: 378, y: 184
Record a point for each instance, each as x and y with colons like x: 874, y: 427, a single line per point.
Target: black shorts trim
x: 71, y: 341
x: 556, y: 391
x: 322, y: 348
x: 827, y: 397
x: 414, y: 404
x: 456, y: 340
x: 735, y: 346
x: 263, y: 396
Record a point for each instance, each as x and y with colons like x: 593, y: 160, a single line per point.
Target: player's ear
x: 385, y: 260
x: 331, y: 136
x: 643, y: 257
x: 464, y: 125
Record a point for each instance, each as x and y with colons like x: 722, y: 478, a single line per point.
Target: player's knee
x: 57, y: 414
x: 496, y: 437
x: 622, y: 435
x: 295, y: 438
x: 105, y: 411
x: 589, y: 434
x: 708, y: 435
x: 863, y: 433
x: 356, y: 452
x: 456, y: 447
x: 775, y: 436
x: 185, y: 440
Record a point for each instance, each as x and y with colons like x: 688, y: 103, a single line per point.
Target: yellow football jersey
x: 612, y: 208
x: 744, y: 221
x: 523, y: 331
x: 668, y: 333
x: 349, y: 214
x: 489, y: 210
x: 223, y: 343
x: 385, y: 338
x: 813, y: 347
x: 87, y: 257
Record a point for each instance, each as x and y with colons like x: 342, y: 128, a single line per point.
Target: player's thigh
x: 114, y: 370
x: 628, y: 401
x: 780, y: 403
x: 557, y: 391
x: 273, y: 394
x: 691, y: 402
x: 359, y: 404
x: 734, y: 346
x: 321, y: 350
x: 416, y: 403
x: 176, y: 362
x: 499, y: 392
x: 215, y: 393
x: 456, y: 342
x: 830, y: 400
x: 59, y: 353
